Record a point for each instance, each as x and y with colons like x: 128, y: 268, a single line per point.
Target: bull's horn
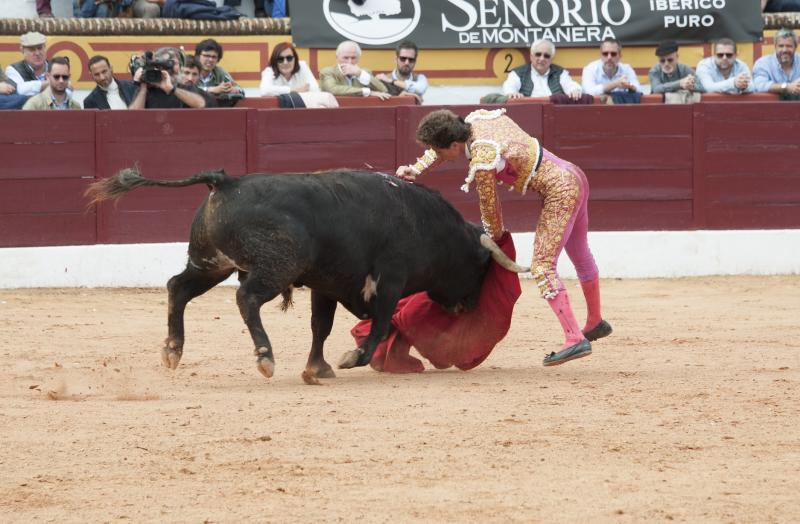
x: 500, y: 257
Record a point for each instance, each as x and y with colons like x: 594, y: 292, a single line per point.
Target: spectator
x: 190, y: 71
x: 675, y: 80
x: 780, y: 72
x: 95, y: 8
x: 778, y: 6
x: 541, y: 78
x: 56, y: 95
x: 29, y: 75
x: 167, y: 93
x: 195, y: 9
x: 403, y: 81
x: 272, y: 8
x: 346, y: 78
x: 290, y: 79
x: 190, y: 76
x: 723, y: 72
x: 43, y: 9
x: 214, y: 80
x: 109, y: 93
x: 608, y: 75
x: 146, y: 8
x: 9, y: 98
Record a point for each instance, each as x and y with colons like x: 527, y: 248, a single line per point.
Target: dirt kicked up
x: 688, y: 412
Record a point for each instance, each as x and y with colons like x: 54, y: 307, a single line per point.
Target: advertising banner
x: 451, y: 24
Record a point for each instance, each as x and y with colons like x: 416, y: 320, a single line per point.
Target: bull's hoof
x: 266, y: 366
x: 312, y: 374
x: 310, y: 378
x: 350, y: 359
x: 171, y: 357
x: 323, y: 370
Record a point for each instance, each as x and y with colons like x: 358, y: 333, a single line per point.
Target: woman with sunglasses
x: 500, y: 152
x: 287, y: 74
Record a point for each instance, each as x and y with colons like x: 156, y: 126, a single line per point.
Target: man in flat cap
x: 675, y: 80
x: 29, y: 75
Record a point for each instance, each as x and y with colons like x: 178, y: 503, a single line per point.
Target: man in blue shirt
x: 780, y: 72
x: 723, y: 72
x: 403, y: 81
x: 607, y: 74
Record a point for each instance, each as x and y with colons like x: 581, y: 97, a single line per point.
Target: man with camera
x: 157, y: 76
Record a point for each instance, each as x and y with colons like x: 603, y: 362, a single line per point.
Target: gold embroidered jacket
x: 499, y: 151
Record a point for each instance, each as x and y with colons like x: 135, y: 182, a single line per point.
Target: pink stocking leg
x: 561, y: 307
x: 591, y: 291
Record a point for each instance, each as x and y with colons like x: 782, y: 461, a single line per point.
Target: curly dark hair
x: 209, y: 44
x: 441, y: 128
x: 276, y: 53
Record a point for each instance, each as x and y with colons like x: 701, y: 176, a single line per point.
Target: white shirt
x: 115, y: 101
x: 30, y: 88
x: 594, y: 78
x: 271, y: 86
x: 540, y: 85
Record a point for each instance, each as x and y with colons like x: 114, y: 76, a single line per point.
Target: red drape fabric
x: 463, y: 340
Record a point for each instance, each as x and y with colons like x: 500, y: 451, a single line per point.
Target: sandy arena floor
x: 689, y: 412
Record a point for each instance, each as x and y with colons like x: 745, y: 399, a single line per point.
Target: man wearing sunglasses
x: 403, y: 81
x: 723, y: 72
x: 543, y: 78
x: 56, y: 95
x: 675, y: 80
x: 608, y: 74
x: 779, y: 72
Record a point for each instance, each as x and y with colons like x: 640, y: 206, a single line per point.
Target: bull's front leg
x: 182, y: 288
x: 385, y: 303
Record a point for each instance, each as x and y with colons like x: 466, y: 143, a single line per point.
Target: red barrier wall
x: 747, y: 168
x: 165, y: 144
x: 638, y: 160
x: 46, y: 161
x: 709, y: 166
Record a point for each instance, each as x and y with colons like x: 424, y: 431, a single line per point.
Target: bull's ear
x: 221, y: 171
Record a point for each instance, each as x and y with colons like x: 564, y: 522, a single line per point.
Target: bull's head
x: 465, y: 293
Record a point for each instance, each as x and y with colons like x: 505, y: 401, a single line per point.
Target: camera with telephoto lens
x: 151, y: 68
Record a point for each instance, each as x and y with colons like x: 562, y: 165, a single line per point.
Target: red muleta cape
x: 463, y: 340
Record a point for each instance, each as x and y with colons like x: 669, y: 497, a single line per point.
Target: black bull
x: 359, y: 238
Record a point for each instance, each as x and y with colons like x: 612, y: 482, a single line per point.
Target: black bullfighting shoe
x: 579, y: 350
x: 602, y: 329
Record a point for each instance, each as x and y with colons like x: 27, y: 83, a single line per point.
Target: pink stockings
x: 591, y: 292
x: 561, y: 307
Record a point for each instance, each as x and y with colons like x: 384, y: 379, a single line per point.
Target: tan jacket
x: 44, y: 101
x: 333, y: 81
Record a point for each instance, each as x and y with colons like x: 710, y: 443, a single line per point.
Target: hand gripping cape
x: 463, y: 340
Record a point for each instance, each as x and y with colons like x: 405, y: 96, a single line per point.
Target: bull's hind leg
x: 182, y: 288
x: 382, y: 310
x: 322, y: 312
x: 253, y: 293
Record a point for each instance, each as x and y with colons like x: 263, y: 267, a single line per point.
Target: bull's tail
x: 129, y: 179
